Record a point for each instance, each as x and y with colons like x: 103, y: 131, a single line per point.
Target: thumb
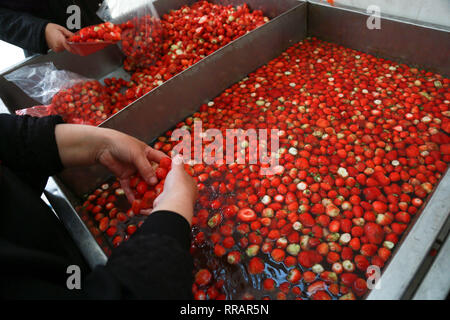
x: 177, y: 163
x: 153, y: 154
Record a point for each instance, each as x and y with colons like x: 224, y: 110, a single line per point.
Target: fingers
x: 174, y: 174
x: 154, y: 155
x: 59, y: 44
x: 58, y: 49
x: 177, y: 172
x: 56, y: 37
x: 67, y: 47
x: 178, y: 166
x: 62, y: 41
x: 66, y: 32
x: 181, y: 178
x: 125, y: 184
x: 145, y: 169
x: 177, y: 162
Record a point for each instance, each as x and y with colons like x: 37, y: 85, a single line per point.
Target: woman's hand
x: 180, y: 192
x: 56, y: 37
x: 125, y: 155
x: 122, y: 154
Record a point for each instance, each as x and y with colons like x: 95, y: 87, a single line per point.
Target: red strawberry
x: 131, y: 229
x: 371, y: 193
x: 369, y: 249
x: 278, y: 254
x: 111, y: 231
x: 141, y: 187
x: 309, y: 258
x: 361, y: 262
x: 161, y: 173
x: 412, y: 151
x: 219, y: 250
x: 136, y: 206
x: 360, y: 287
x: 445, y: 149
x: 247, y: 215
x: 294, y: 276
x: 373, y: 232
x: 165, y: 163
x: 203, y: 277
x: 104, y: 223
x: 234, y: 257
x: 306, y: 219
x: 379, y: 207
x: 348, y: 279
x: 381, y: 178
x: 255, y: 266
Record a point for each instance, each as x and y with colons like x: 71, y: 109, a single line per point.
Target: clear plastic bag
x: 76, y: 98
x: 42, y: 81
x: 141, y: 30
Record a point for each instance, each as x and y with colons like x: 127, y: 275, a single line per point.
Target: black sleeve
x: 28, y: 148
x: 154, y: 264
x: 23, y: 30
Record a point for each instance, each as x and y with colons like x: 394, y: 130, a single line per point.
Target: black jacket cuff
x: 48, y: 149
x: 170, y: 224
x: 28, y: 144
x: 42, y: 40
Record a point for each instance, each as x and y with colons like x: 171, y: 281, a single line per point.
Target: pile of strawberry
x: 102, y: 32
x: 363, y: 143
x: 141, y: 42
x: 189, y: 35
x: 156, y: 51
x: 87, y: 102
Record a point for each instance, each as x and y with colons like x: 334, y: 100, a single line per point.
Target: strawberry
x: 203, y: 277
x: 309, y: 258
x: 161, y: 173
x: 368, y: 249
x: 374, y: 233
x: 412, y: 151
x: 255, y: 266
x: 246, y: 215
x: 294, y: 276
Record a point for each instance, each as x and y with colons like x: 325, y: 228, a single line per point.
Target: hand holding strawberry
x: 180, y: 191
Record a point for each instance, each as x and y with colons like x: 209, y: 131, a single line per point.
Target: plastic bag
x: 42, y: 81
x: 86, y: 102
x: 141, y: 30
x: 76, y: 98
x: 83, y: 103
